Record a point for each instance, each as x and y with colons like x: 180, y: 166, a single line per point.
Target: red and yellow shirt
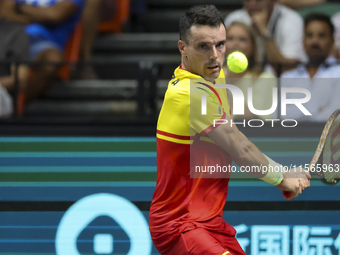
x: 185, y: 199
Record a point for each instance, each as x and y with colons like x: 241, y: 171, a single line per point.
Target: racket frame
x: 318, y: 152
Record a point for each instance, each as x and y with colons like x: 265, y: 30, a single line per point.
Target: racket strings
x: 330, y: 162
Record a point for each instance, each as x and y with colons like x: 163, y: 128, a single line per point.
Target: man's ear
x: 182, y: 47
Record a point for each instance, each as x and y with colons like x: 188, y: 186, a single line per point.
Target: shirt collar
x: 301, y: 69
x: 331, y: 60
x: 182, y: 73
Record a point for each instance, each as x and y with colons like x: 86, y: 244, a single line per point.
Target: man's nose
x: 315, y: 41
x: 214, y: 54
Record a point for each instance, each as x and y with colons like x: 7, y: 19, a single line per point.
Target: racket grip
x: 287, y: 194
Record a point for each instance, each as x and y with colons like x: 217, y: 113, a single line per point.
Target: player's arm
x: 244, y: 153
x: 239, y: 148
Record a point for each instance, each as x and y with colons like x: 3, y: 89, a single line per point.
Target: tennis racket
x: 325, y: 163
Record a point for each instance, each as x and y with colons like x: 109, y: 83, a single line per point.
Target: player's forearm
x: 250, y: 156
x: 239, y: 148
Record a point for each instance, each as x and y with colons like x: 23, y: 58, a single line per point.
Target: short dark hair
x: 199, y: 15
x: 319, y: 17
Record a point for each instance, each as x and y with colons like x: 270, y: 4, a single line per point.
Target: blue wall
x: 101, y: 186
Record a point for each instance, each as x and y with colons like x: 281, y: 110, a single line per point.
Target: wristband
x: 274, y: 175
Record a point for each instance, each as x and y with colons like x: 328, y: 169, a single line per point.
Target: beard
x: 316, y: 61
x: 316, y: 58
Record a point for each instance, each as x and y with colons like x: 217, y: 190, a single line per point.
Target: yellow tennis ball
x: 237, y: 62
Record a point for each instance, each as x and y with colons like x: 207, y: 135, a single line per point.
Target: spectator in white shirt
x: 279, y: 29
x: 321, y: 74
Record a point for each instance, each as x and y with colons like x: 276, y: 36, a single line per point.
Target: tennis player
x: 186, y: 211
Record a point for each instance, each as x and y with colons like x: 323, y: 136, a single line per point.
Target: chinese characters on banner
x: 276, y: 240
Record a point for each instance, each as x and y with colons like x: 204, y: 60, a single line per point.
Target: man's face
x: 254, y: 6
x: 318, y: 40
x: 203, y: 53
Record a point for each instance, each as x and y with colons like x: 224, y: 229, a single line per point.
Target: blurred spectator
x: 138, y: 10
x: 13, y: 48
x: 279, y: 29
x: 320, y: 76
x: 296, y: 4
x: 94, y: 12
x: 241, y: 37
x: 50, y: 24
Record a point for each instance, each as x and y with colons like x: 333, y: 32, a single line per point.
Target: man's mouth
x: 315, y: 47
x: 213, y: 67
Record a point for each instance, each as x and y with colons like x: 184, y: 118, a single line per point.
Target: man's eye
x: 203, y: 46
x: 220, y: 45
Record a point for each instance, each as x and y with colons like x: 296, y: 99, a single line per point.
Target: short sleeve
x: 206, y: 107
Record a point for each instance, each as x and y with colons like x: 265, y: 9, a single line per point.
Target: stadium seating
x: 133, y: 67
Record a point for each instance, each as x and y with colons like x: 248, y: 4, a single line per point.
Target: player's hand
x: 295, y: 180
